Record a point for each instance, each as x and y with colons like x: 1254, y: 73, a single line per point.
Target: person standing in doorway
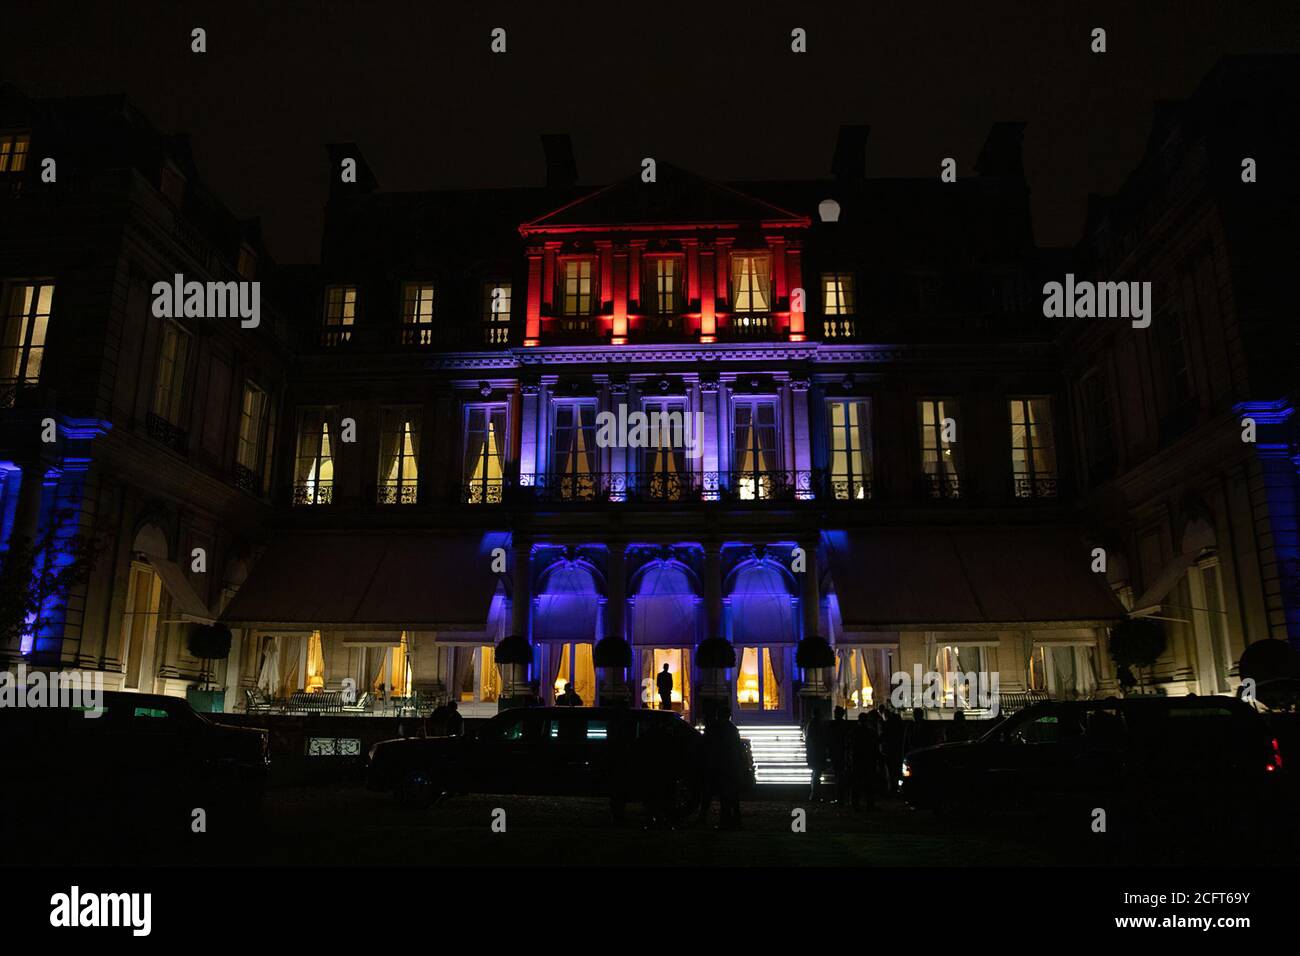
x: 570, y: 698
x: 664, y: 684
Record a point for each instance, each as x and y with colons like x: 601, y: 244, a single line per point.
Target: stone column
x: 802, y: 476
x: 521, y: 596
x: 615, y: 590
x: 713, y: 589
x: 810, y: 599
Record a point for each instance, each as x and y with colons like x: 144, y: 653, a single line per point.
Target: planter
x: 206, y: 701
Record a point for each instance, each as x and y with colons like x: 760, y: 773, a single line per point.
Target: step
x: 779, y: 755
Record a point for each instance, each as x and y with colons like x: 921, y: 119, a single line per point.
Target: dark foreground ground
x: 339, y: 823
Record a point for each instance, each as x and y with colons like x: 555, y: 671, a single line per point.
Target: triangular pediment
x: 676, y: 198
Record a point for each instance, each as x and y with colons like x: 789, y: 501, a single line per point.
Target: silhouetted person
x: 864, y: 756
x: 656, y: 761
x: 892, y: 747
x: 837, y: 740
x: 664, y: 684
x: 455, y: 722
x: 734, y: 770
x: 436, y: 723
x: 815, y: 747
x: 569, y: 698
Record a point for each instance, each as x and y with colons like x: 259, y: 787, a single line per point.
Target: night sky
x: 709, y: 85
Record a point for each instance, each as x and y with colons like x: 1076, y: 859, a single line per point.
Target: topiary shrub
x: 1135, y: 644
x: 612, y: 652
x: 715, y: 653
x: 514, y: 650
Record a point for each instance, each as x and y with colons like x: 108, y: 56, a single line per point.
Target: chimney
x: 561, y: 170
x: 365, y: 179
x: 1002, y: 153
x: 850, y: 160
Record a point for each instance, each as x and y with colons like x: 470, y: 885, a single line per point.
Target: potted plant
x: 513, y: 656
x: 208, y: 643
x: 1135, y: 645
x: 613, y: 656
x: 816, y: 658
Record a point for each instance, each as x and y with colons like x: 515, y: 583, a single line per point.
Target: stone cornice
x: 716, y: 353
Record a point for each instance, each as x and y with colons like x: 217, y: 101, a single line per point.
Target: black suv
x: 139, y: 760
x: 1175, y: 756
x: 579, y: 751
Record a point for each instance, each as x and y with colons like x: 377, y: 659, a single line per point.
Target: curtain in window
x: 291, y: 652
x: 772, y: 674
x: 750, y: 283
x: 391, y: 437
x: 268, y: 677
x: 584, y: 673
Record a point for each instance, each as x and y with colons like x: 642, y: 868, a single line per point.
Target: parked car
x: 1171, y: 757
x: 579, y: 751
x: 145, y: 761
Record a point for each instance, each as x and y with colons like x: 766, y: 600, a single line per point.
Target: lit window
x: 13, y: 152
x: 246, y: 265
x: 26, y: 321
x: 484, y: 471
x: 314, y: 469
x: 577, y: 294
x: 754, y: 449
x: 574, y: 462
x: 173, y: 360
x: 577, y: 669
x: 1033, y: 448
x: 751, y: 282
x: 838, y: 305
x: 664, y: 470
x: 755, y: 691
x: 340, y: 313
x: 938, y: 452
x: 679, y: 667
x: 140, y: 627
x: 399, y: 450
x: 252, y: 426
x: 496, y: 313
x: 417, y: 313
x: 850, y: 464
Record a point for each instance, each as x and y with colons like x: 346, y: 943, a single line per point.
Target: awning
x: 370, y: 582
x: 185, y: 600
x: 908, y: 579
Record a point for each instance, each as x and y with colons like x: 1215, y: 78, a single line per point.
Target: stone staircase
x: 779, y: 756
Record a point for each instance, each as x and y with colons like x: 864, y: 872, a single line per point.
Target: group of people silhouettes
x: 866, y: 755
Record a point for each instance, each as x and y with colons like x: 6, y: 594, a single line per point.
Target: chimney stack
x: 1002, y: 154
x: 850, y: 160
x: 561, y: 169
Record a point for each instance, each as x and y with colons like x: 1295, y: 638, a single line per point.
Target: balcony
x: 163, y: 431
x: 396, y: 493
x: 677, y: 487
x: 748, y: 326
x: 313, y: 493
x: 1025, y: 485
x: 848, y: 488
x: 485, y: 491
x: 839, y: 328
x: 945, y: 486
x: 247, y: 480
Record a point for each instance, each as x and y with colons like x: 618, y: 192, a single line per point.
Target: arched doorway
x: 566, y: 619
x: 665, y: 615
x: 760, y: 617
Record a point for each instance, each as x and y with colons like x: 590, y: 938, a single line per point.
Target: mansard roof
x: 677, y: 198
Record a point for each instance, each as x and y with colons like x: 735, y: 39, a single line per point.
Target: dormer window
x: 417, y: 313
x: 340, y: 312
x: 751, y: 282
x: 172, y: 184
x: 13, y: 152
x: 577, y: 290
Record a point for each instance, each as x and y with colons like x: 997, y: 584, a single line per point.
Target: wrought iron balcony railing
x: 1025, y: 485
x: 677, y: 486
x: 313, y: 492
x: 485, y: 491
x: 848, y: 487
x: 945, y: 485
x: 164, y: 431
x: 396, y: 493
x: 247, y: 480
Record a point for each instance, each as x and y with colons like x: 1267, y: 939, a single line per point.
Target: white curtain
x: 268, y: 678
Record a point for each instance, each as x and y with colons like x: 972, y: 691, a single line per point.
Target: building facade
x: 667, y: 409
